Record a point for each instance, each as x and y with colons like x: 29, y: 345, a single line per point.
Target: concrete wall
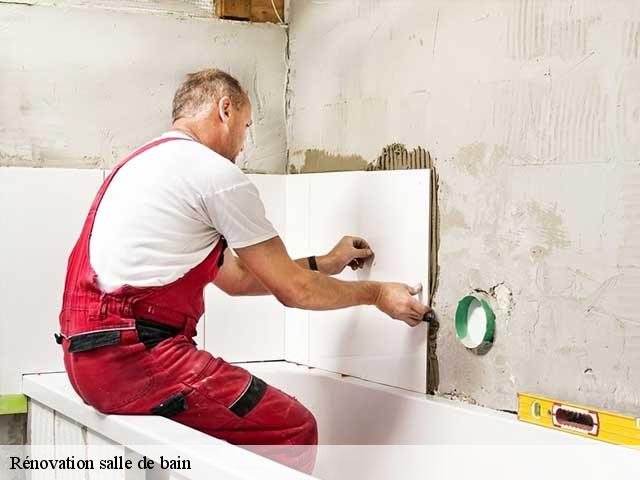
x: 82, y: 86
x: 13, y: 430
x: 13, y: 434
x: 531, y: 109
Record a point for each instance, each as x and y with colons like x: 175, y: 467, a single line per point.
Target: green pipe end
x: 475, y: 323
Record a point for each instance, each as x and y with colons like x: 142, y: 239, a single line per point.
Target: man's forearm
x: 317, y: 291
x: 267, y: 267
x: 253, y: 287
x: 294, y: 285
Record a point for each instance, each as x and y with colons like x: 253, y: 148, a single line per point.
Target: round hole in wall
x: 475, y: 324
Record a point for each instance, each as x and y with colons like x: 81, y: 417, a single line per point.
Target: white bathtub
x: 366, y: 431
x: 374, y: 431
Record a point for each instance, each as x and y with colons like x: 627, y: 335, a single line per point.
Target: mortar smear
x: 397, y: 157
x: 316, y: 161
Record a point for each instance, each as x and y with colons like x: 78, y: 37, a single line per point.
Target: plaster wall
x: 531, y: 112
x: 84, y: 83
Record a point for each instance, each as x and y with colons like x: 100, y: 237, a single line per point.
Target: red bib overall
x: 131, y: 351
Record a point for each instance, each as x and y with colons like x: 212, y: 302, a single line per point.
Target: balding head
x: 212, y: 108
x: 201, y: 90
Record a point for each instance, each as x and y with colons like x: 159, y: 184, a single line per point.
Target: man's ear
x: 224, y: 109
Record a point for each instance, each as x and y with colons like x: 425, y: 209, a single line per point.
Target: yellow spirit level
x: 579, y: 420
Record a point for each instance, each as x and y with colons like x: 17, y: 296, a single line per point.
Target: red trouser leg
x: 278, y: 426
x: 130, y: 379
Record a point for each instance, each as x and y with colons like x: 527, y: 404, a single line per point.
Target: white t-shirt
x: 165, y: 211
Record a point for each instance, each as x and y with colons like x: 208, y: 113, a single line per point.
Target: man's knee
x: 309, y: 435
x: 303, y: 451
x: 299, y: 424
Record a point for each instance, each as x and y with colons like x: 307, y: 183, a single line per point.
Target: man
x: 154, y: 237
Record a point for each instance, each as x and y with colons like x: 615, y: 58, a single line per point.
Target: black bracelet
x: 313, y: 265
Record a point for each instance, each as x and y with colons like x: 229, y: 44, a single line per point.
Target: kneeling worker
x: 155, y: 236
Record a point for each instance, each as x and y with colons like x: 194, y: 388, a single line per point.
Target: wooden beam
x: 254, y: 10
x: 235, y: 9
x: 262, y: 11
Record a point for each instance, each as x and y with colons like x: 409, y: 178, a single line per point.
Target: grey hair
x: 202, y: 89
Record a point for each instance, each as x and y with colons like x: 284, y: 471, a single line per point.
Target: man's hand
x: 351, y: 251
x: 397, y: 301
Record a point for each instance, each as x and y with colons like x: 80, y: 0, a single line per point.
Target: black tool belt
x: 150, y: 334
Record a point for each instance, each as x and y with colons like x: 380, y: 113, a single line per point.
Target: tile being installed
x: 390, y: 209
x: 241, y: 329
x: 41, y: 214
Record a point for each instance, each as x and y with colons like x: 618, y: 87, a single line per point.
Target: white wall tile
x: 41, y: 215
x: 273, y: 192
x: 297, y: 233
x: 42, y: 211
x: 319, y: 210
x: 296, y: 336
x: 249, y: 328
x: 391, y: 211
x: 297, y: 240
x: 243, y: 329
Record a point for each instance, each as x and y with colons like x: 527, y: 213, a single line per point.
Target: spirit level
x: 579, y: 420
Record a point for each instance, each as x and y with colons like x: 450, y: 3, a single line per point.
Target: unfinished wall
x: 204, y: 4
x: 84, y: 85
x: 13, y: 429
x: 531, y: 110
